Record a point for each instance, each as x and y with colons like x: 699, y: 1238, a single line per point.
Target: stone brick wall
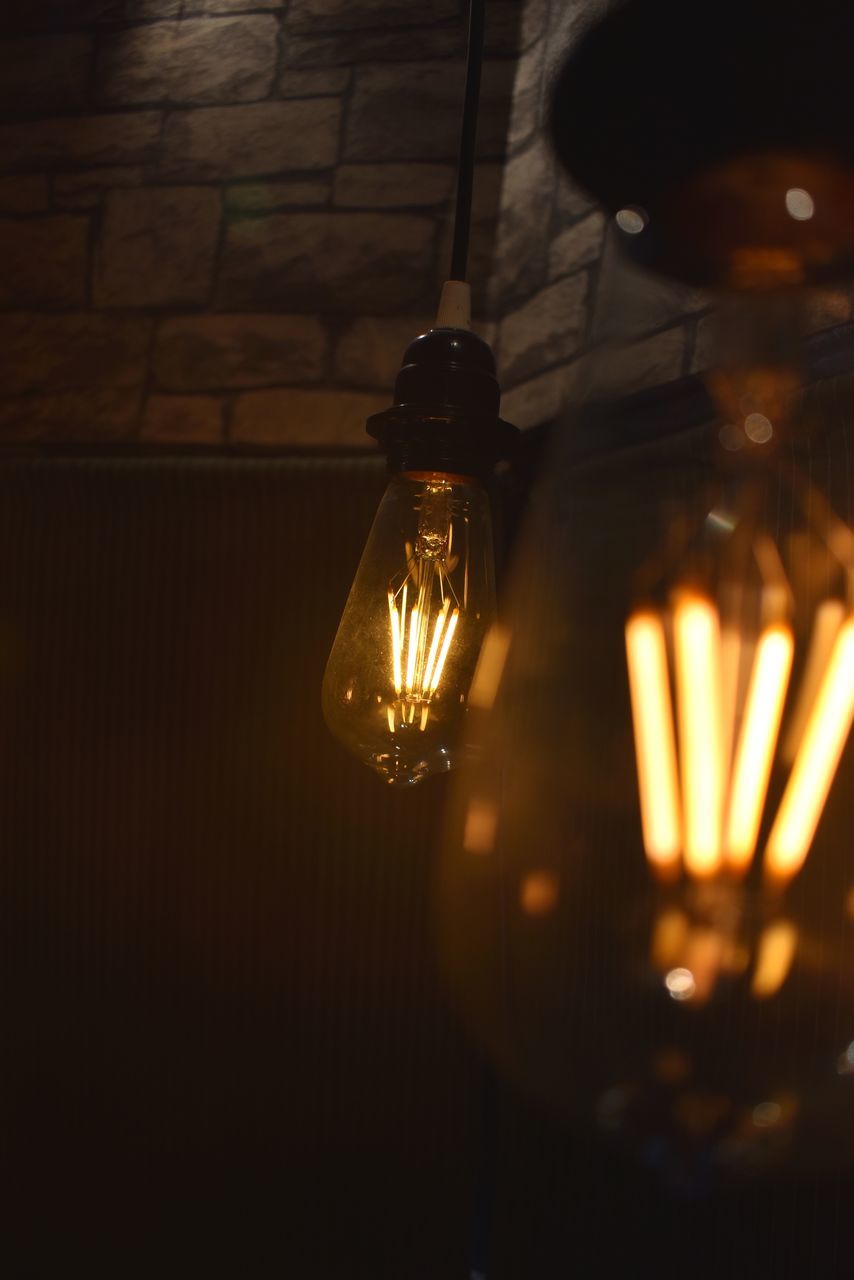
x: 223, y: 220
x: 584, y: 322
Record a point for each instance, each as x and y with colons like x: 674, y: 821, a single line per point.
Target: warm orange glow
x: 754, y: 754
x: 828, y: 619
x: 655, y: 746
x: 413, y: 649
x: 705, y: 957
x: 417, y: 668
x: 731, y: 655
x: 490, y: 668
x: 434, y: 647
x: 539, y: 893
x: 698, y: 664
x: 815, y: 765
x: 480, y: 826
x: 396, y: 644
x: 443, y: 653
x: 668, y: 939
x: 776, y: 952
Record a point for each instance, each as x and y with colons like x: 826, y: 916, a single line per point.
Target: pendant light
x: 647, y: 896
x: 396, y: 686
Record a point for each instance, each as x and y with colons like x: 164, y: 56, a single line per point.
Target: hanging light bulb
x: 666, y: 743
x: 397, y: 682
x: 396, y: 686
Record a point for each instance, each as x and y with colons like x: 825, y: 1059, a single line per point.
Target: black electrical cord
x: 468, y: 138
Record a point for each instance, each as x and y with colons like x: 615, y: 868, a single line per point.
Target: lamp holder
x: 445, y: 415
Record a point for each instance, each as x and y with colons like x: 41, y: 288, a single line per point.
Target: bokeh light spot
x: 539, y: 893
x: 631, y: 220
x: 732, y: 437
x: 758, y: 428
x: 767, y: 1114
x: 680, y: 984
x: 799, y: 204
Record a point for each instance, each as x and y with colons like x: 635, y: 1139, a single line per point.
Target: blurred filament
x: 702, y: 807
x: 423, y: 612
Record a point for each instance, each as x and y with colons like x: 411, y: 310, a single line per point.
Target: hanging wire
x: 468, y: 138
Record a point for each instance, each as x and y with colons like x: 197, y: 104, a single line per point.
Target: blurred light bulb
x: 398, y: 678
x: 707, y: 582
x: 723, y: 804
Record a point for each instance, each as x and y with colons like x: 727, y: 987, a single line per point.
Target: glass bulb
x: 397, y: 682
x: 647, y: 893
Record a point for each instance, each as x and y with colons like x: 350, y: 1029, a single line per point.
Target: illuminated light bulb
x: 821, y: 747
x: 754, y: 755
x: 655, y: 746
x: 697, y: 644
x: 397, y: 683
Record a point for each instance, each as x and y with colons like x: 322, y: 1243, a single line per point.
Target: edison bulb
x: 397, y: 682
x: 685, y: 988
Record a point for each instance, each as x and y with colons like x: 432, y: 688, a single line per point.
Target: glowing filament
x: 731, y: 662
x: 446, y: 644
x: 413, y: 648
x: 698, y: 665
x: 396, y: 644
x: 754, y: 756
x: 417, y: 668
x: 828, y: 619
x: 815, y: 765
x: 434, y: 647
x: 655, y: 746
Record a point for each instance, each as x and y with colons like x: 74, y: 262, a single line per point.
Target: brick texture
x: 226, y: 219
x: 195, y: 61
x: 45, y: 262
x: 222, y: 143
x: 194, y: 353
x: 305, y: 418
x: 76, y: 352
x: 182, y: 419
x: 157, y: 248
x: 80, y: 141
x: 300, y: 261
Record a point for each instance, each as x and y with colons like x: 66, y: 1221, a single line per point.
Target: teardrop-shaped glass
x: 396, y: 685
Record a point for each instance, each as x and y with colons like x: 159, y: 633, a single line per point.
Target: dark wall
x: 228, y: 1048
x: 227, y: 1041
